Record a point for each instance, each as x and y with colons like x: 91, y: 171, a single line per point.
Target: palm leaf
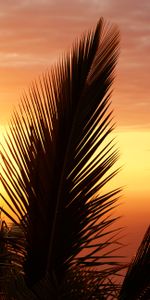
x: 59, y: 160
x: 136, y: 284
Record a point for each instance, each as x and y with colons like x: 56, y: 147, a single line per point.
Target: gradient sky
x: 34, y: 33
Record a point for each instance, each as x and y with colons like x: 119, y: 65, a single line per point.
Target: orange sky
x: 33, y: 33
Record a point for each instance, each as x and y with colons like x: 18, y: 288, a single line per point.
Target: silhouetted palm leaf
x: 136, y: 285
x: 59, y: 161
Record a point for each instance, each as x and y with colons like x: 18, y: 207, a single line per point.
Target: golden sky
x: 34, y: 33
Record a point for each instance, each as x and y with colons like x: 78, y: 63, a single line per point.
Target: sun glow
x: 134, y: 177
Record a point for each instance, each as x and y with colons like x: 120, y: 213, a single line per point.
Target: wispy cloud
x: 34, y: 32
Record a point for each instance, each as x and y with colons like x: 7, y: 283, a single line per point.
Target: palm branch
x: 59, y: 158
x: 136, y: 285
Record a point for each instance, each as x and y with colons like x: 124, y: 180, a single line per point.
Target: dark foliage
x: 59, y: 157
x: 136, y: 285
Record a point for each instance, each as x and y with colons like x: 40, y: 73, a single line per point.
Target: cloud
x: 33, y: 20
x: 34, y: 33
x: 14, y: 60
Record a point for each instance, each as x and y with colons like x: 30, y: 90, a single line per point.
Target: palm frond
x: 60, y: 158
x: 136, y: 284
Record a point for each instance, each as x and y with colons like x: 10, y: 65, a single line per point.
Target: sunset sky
x: 34, y: 33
